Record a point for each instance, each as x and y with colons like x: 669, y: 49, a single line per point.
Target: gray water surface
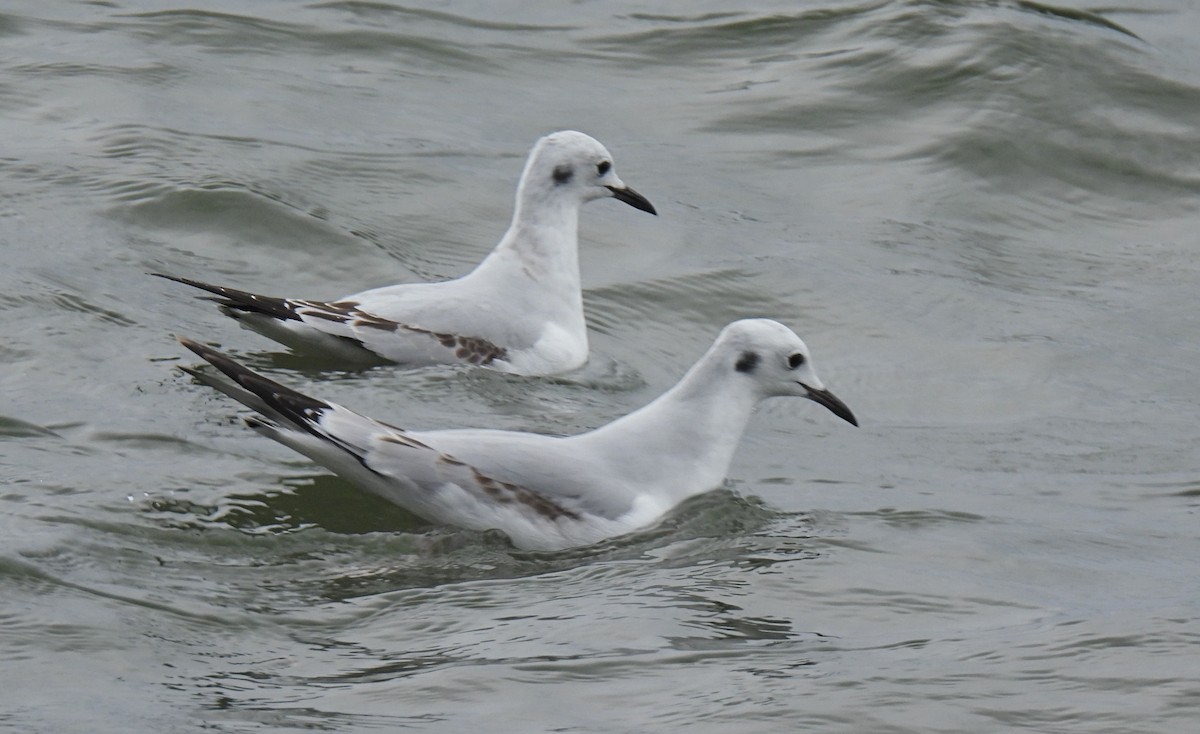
x: 981, y: 216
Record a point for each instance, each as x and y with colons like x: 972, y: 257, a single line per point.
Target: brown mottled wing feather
x: 345, y: 319
x: 389, y: 458
x: 473, y: 349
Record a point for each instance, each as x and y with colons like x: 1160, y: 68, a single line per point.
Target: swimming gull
x: 520, y: 310
x: 547, y: 492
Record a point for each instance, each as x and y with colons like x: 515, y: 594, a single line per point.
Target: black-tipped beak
x: 632, y: 198
x: 831, y: 401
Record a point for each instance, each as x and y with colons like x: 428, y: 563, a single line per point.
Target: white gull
x: 547, y: 492
x: 520, y: 310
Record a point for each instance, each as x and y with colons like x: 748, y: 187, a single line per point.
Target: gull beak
x: 632, y: 198
x: 831, y: 401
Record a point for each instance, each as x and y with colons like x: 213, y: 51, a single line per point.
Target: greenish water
x: 982, y: 216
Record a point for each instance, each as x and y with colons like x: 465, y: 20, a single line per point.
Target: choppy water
x: 982, y: 216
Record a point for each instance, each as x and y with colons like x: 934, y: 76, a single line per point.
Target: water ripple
x: 243, y: 34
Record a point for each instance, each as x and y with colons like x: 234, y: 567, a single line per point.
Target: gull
x: 520, y: 310
x: 547, y: 492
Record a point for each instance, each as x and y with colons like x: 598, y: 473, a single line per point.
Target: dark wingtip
x: 217, y: 359
x: 195, y: 346
x: 174, y: 278
x: 233, y: 300
x: 296, y: 407
x: 193, y: 283
x: 189, y: 370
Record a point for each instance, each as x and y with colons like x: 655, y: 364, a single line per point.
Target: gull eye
x: 795, y: 360
x: 603, y: 167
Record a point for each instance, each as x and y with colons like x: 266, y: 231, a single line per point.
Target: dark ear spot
x: 747, y: 362
x: 563, y: 174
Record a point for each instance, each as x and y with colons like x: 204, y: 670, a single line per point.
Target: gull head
x: 571, y: 164
x: 777, y: 362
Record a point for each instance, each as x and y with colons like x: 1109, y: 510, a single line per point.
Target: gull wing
x: 346, y: 326
x: 407, y: 469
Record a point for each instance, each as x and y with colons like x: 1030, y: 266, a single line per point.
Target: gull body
x: 520, y: 310
x: 548, y: 492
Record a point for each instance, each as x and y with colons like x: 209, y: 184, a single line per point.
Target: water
x: 980, y: 215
